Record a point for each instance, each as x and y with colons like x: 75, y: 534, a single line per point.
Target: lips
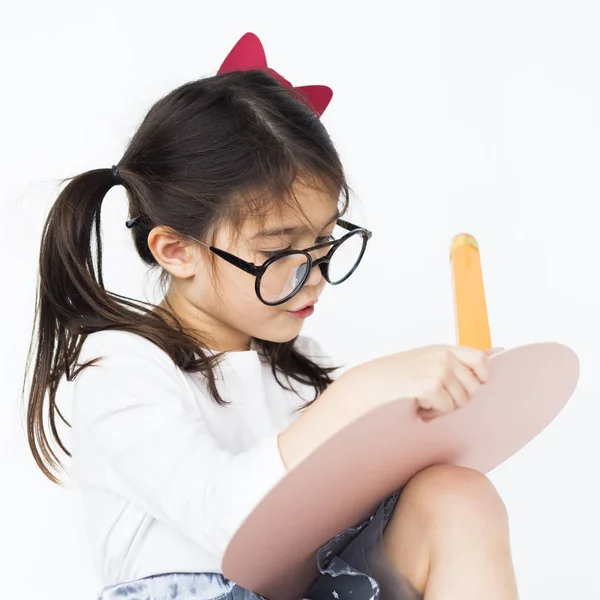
x: 311, y: 303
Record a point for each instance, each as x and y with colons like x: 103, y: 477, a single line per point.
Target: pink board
x: 343, y: 481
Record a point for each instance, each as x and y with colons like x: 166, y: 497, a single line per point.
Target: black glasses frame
x: 322, y: 263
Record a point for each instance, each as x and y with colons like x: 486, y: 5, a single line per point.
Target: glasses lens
x: 345, y: 258
x: 283, y: 277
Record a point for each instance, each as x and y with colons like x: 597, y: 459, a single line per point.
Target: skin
x: 223, y: 304
x: 449, y: 534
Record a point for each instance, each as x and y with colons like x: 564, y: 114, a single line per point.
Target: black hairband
x: 116, y: 175
x: 129, y: 224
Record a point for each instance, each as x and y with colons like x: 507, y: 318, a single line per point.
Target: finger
x: 442, y: 401
x: 428, y: 415
x: 468, y: 380
x: 492, y: 351
x: 455, y: 388
x: 474, y: 359
x: 438, y: 402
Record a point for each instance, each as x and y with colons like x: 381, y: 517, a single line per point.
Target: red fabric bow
x: 248, y: 54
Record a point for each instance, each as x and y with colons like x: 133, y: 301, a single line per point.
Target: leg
x: 449, y: 536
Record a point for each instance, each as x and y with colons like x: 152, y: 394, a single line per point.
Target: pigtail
x: 199, y: 152
x: 72, y: 302
x: 69, y: 297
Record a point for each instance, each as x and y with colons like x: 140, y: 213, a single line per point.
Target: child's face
x: 223, y: 303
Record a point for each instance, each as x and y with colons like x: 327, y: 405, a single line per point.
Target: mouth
x: 307, y: 305
x: 304, y: 311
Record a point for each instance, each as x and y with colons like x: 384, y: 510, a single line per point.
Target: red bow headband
x: 249, y: 54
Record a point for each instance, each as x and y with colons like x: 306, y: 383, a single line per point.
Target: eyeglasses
x: 282, y: 276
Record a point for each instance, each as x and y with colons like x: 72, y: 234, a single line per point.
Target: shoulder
x: 123, y: 344
x: 129, y: 376
x: 124, y: 355
x: 115, y: 338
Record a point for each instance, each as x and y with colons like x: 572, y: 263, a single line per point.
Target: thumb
x: 496, y: 350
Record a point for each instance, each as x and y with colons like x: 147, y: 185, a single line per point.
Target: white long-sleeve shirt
x: 166, y: 475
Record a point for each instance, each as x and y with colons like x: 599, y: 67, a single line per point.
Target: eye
x: 325, y: 238
x: 320, y: 240
x: 270, y: 253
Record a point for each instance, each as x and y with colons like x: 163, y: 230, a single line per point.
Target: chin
x: 281, y: 335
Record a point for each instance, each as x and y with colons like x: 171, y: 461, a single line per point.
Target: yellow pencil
x: 471, y: 317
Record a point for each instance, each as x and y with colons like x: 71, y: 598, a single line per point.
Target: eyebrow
x: 291, y: 229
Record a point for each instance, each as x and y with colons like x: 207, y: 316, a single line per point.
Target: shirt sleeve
x: 137, y: 413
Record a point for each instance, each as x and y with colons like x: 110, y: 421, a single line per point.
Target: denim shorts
x: 353, y: 566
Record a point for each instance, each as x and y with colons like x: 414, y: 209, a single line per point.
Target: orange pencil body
x: 471, y: 317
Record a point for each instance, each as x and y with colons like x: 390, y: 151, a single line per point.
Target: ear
x: 175, y: 255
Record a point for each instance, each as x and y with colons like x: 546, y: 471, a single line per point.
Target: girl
x: 187, y: 413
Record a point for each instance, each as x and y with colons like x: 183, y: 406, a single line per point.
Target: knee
x: 456, y: 497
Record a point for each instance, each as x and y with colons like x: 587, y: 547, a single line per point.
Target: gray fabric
x: 353, y: 567
x: 354, y: 564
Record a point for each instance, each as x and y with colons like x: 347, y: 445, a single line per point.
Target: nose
x: 315, y: 277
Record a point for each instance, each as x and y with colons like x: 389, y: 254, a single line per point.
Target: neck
x: 214, y: 334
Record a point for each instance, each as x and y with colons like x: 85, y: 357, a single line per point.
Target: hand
x: 441, y: 378
x: 492, y: 351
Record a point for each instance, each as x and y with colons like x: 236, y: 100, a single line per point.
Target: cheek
x: 238, y: 300
x: 232, y: 295
x: 234, y: 285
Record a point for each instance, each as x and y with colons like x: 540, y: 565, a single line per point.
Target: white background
x: 456, y: 116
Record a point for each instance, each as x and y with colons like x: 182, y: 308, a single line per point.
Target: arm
x: 344, y: 401
x: 138, y: 433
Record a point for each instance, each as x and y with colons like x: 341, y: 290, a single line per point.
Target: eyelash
x: 320, y: 240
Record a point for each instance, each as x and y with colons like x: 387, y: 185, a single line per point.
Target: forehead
x: 307, y: 208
